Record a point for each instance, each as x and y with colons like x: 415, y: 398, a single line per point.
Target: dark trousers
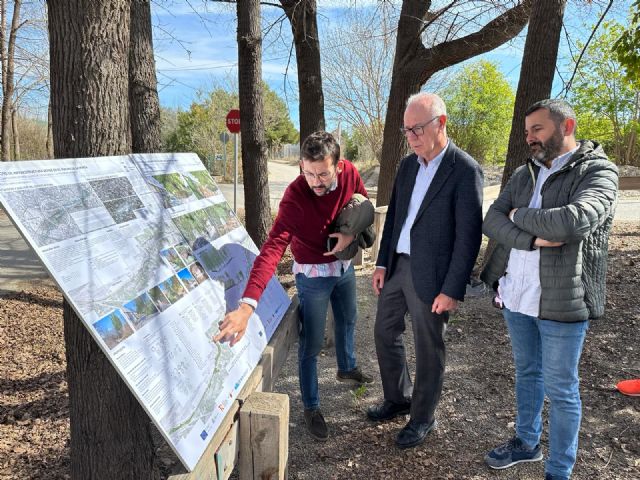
x: 398, y: 297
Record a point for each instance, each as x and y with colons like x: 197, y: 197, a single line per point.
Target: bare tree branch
x: 567, y: 86
x: 492, y: 35
x: 433, y: 16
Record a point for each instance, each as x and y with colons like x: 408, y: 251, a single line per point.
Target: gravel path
x: 477, y: 407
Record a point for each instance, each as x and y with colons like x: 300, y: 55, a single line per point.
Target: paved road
x: 19, y: 265
x: 628, y: 208
x: 281, y: 174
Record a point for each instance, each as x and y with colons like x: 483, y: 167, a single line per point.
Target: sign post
x: 233, y: 125
x: 224, y: 138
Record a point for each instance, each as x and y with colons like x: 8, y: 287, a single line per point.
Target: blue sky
x: 196, y: 49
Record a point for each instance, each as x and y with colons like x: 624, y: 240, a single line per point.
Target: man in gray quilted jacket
x: 551, y: 223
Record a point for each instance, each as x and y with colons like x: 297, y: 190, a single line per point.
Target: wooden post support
x: 264, y: 437
x: 379, y: 217
x: 267, y: 368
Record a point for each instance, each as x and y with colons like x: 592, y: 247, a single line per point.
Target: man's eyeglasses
x: 323, y: 176
x: 417, y: 130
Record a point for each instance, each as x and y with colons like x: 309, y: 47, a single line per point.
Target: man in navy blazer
x: 429, y: 245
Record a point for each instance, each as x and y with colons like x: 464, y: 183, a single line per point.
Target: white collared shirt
x: 520, y: 287
x: 425, y: 175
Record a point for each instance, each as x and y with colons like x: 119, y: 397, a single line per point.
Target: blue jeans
x: 546, y: 355
x: 314, y: 295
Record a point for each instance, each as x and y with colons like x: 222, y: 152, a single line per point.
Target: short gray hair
x: 437, y: 104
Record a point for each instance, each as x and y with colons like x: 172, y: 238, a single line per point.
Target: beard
x: 321, y: 190
x: 547, y: 151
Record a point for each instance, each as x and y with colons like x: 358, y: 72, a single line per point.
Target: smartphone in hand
x: 331, y: 243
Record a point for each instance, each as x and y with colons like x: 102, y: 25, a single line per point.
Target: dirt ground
x: 475, y: 413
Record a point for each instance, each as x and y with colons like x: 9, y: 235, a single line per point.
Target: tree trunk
x: 15, y: 134
x: 143, y: 86
x: 89, y: 42
x: 631, y: 148
x: 302, y: 15
x: 632, y: 151
x: 414, y: 65
x: 8, y: 67
x: 536, y: 75
x: 618, y: 138
x: 3, y: 66
x: 405, y: 81
x: 254, y: 146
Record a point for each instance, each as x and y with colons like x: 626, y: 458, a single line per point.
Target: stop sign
x: 233, y: 121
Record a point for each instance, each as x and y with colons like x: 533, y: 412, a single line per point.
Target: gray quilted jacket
x: 578, y: 204
x: 356, y: 218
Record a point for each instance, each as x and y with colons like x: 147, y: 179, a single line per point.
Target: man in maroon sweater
x: 308, y: 208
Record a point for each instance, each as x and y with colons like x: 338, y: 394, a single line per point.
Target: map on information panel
x: 151, y: 257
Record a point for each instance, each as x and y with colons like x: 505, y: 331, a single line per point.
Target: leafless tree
x: 24, y: 68
x: 356, y: 73
x: 254, y: 146
x: 302, y: 15
x: 7, y: 50
x: 453, y: 34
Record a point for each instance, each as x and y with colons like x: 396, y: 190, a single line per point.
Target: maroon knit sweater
x: 303, y: 220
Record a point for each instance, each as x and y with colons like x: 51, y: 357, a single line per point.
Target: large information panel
x: 151, y: 257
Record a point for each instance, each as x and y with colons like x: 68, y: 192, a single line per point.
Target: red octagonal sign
x: 233, y: 121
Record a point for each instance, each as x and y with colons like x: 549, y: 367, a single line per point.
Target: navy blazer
x: 447, y: 232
